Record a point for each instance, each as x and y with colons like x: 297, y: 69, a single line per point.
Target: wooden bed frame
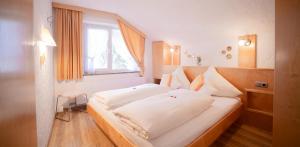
x: 241, y: 78
x: 207, y: 138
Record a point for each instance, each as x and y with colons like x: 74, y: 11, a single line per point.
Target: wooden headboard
x: 245, y: 78
x: 242, y: 78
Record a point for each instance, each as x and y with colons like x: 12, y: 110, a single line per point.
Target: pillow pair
x: 213, y: 83
x: 176, y: 80
x: 210, y: 82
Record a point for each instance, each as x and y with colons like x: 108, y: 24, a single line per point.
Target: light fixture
x: 172, y: 50
x: 244, y: 42
x: 45, y: 40
x: 172, y: 55
x: 247, y: 51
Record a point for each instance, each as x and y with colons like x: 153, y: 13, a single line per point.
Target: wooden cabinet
x: 259, y: 108
x: 164, y: 58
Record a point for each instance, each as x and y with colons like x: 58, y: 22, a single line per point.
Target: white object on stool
x: 68, y: 97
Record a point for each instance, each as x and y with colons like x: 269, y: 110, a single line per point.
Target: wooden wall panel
x: 287, y: 74
x: 157, y: 59
x: 161, y: 58
x: 247, y: 54
x: 242, y: 78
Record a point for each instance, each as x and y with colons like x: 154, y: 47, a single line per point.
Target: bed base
x: 204, y: 140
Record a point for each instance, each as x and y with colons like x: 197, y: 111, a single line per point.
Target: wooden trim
x: 114, y: 134
x: 69, y: 7
x: 82, y: 9
x: 212, y: 134
x: 206, y: 139
x: 260, y: 91
x: 259, y: 111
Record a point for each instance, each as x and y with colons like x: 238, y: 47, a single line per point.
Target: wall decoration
x: 229, y: 48
x: 196, y: 58
x: 228, y: 56
x: 227, y: 52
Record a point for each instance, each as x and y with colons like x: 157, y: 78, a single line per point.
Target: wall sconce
x: 247, y: 51
x: 244, y: 42
x: 172, y: 55
x: 45, y: 40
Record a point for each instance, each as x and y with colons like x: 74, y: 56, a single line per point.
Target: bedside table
x: 156, y: 81
x: 259, y: 108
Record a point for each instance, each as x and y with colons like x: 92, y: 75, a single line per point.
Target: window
x: 106, y: 51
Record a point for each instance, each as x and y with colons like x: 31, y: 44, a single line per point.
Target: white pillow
x: 179, y: 78
x: 175, y: 83
x: 165, y: 80
x: 207, y: 89
x: 223, y: 87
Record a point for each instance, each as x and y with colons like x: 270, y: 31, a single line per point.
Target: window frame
x: 109, y: 69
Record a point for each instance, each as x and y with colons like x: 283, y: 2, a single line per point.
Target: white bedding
x: 118, y: 97
x: 170, y: 110
x: 180, y: 136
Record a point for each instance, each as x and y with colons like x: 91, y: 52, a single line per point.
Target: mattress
x: 180, y: 136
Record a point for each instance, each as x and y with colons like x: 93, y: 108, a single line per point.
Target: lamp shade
x: 46, y: 38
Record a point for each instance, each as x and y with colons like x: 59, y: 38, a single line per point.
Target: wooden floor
x: 83, y: 132
x: 244, y: 136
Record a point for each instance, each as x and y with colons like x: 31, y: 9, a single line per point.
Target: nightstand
x: 259, y: 108
x: 156, y: 81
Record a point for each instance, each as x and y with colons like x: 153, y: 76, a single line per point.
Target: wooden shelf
x: 259, y: 108
x: 260, y: 112
x: 260, y: 91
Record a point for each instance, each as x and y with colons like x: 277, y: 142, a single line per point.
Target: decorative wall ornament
x: 227, y: 52
x: 195, y: 58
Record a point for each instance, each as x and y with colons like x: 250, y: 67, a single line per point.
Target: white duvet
x: 153, y: 116
x: 116, y: 98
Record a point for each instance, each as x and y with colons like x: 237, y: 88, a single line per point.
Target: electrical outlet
x: 261, y: 84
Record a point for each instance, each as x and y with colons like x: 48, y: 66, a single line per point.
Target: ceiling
x: 200, y: 26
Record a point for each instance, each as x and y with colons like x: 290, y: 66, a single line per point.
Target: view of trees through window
x: 106, y: 51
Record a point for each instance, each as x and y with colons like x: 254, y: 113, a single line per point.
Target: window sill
x: 113, y: 73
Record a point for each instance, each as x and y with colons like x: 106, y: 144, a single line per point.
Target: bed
x: 203, y: 129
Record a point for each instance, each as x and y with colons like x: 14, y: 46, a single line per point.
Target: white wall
x: 203, y: 27
x: 44, y: 76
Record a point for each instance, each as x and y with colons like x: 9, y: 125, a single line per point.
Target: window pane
x: 97, y: 53
x: 121, y: 58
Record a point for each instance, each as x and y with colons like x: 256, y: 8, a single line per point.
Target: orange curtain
x: 68, y: 30
x: 135, y: 43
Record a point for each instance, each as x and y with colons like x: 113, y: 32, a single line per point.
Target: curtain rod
x: 82, y: 9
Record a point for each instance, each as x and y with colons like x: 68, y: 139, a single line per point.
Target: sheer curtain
x: 96, y: 49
